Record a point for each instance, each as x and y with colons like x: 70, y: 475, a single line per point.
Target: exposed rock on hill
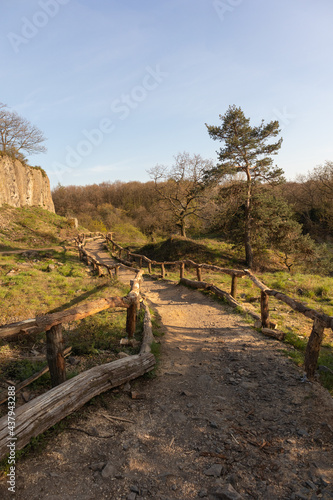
x: 22, y: 185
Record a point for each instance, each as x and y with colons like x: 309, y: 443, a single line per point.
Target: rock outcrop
x: 22, y: 185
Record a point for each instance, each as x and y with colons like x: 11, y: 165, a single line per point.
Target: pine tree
x: 246, y: 149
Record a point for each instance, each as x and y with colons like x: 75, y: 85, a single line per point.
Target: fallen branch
x: 275, y: 334
x: 89, y: 433
x: 112, y: 417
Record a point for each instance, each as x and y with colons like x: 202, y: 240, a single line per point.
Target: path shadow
x: 79, y: 299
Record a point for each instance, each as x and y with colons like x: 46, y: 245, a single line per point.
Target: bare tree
x: 182, y: 187
x: 18, y: 135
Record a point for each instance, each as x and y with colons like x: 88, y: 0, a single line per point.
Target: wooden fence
x: 320, y: 320
x: 66, y: 396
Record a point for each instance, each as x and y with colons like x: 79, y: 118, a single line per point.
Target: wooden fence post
x: 128, y: 254
x: 149, y: 267
x: 313, y: 348
x: 140, y: 262
x: 199, y: 275
x: 182, y: 270
x: 163, y: 270
x: 264, y: 310
x: 233, y: 286
x: 131, y: 320
x: 55, y: 355
x: 116, y: 271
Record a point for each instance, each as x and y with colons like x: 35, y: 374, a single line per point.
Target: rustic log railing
x: 66, y: 396
x: 320, y: 320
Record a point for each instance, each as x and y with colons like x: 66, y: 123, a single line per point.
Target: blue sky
x: 120, y: 86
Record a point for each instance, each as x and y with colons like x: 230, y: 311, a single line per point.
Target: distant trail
x: 226, y: 411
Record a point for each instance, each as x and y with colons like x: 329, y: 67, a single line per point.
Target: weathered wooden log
x: 79, y: 312
x: 264, y: 309
x: 231, y: 272
x: 182, y: 270
x: 313, y: 348
x: 234, y: 280
x: 14, y: 328
x: 149, y: 268
x: 131, y: 320
x: 199, y: 274
x: 134, y: 297
x: 100, y: 270
x: 116, y: 271
x: 163, y: 270
x: 275, y: 334
x: 43, y: 323
x: 55, y: 355
x: 195, y: 284
x: 221, y: 293
x: 43, y: 412
x: 148, y: 337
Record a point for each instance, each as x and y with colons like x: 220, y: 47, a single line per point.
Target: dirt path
x: 226, y: 417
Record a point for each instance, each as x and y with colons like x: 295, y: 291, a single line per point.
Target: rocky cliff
x: 21, y: 185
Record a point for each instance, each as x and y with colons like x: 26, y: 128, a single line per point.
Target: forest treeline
x: 296, y: 218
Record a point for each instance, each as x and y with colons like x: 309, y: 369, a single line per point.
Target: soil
x: 227, y: 416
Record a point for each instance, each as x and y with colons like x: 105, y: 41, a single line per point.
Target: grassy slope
x: 32, y: 227
x: 314, y: 290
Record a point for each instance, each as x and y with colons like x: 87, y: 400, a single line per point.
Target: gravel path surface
x: 226, y: 417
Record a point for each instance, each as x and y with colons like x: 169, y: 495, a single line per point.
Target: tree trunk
x: 247, y: 228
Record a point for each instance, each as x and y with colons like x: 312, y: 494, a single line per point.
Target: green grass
x: 27, y: 288
x: 97, y: 333
x: 203, y: 251
x: 32, y: 227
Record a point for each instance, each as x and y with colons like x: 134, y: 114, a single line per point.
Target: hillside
x: 201, y: 251
x: 32, y: 227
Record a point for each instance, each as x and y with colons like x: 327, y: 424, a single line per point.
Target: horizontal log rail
x: 46, y: 322
x: 320, y: 320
